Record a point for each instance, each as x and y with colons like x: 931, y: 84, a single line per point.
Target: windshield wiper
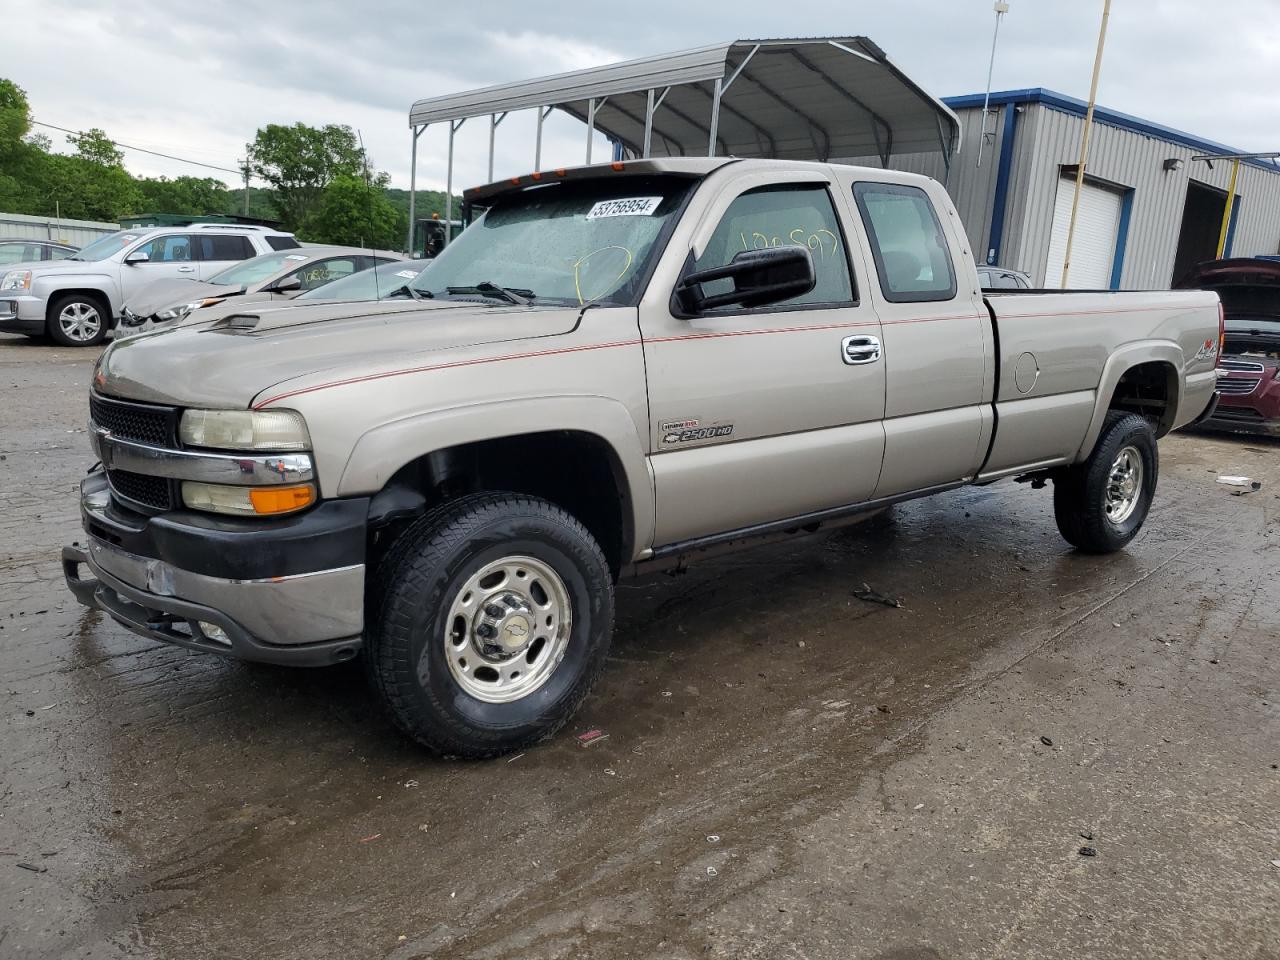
x: 411, y: 291
x: 485, y: 288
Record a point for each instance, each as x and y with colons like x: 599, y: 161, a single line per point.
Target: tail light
x: 1222, y: 331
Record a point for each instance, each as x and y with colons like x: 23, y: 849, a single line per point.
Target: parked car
x: 608, y: 372
x: 78, y: 299
x: 1002, y: 278
x: 1249, y: 369
x: 32, y: 251
x: 279, y: 275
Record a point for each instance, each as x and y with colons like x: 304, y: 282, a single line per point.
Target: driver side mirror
x: 138, y: 256
x: 287, y: 285
x: 760, y: 277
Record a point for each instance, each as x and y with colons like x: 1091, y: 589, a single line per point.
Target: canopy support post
x: 715, y: 117
x: 494, y: 120
x: 413, y: 185
x: 591, y: 126
x: 448, y: 183
x: 648, y: 124
x: 537, y: 142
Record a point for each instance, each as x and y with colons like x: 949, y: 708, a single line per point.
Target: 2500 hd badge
x: 686, y: 431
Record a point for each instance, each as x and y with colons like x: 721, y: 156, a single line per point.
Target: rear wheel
x: 1101, y: 504
x: 495, y: 616
x: 76, y: 320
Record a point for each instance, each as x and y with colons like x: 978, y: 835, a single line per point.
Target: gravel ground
x: 789, y: 772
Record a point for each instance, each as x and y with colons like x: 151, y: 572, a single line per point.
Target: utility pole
x: 1001, y: 9
x: 1084, y: 141
x: 244, y: 169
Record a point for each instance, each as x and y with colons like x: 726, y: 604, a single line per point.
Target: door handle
x: 186, y: 269
x: 854, y: 350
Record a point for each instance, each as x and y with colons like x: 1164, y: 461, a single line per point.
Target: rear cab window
x: 794, y: 214
x: 907, y: 243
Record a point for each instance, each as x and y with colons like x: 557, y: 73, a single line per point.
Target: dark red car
x: 1249, y: 368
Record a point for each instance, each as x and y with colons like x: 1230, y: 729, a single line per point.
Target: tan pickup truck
x: 612, y: 368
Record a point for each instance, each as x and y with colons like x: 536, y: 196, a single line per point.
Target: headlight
x: 16, y: 280
x: 279, y: 431
x: 247, y: 501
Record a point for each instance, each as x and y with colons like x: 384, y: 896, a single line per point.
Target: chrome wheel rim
x: 80, y: 321
x: 1124, y: 485
x: 508, y: 629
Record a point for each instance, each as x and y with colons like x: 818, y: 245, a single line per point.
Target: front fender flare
x: 1125, y: 358
x: 385, y: 449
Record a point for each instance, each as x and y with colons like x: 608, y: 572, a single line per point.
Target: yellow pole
x: 1084, y: 140
x: 1226, y: 210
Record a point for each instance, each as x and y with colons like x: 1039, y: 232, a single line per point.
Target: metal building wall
x: 1048, y: 139
x: 17, y: 226
x: 972, y: 188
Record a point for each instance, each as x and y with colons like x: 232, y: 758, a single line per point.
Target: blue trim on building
x: 996, y: 236
x: 1122, y: 237
x: 1113, y: 118
x: 1231, y: 227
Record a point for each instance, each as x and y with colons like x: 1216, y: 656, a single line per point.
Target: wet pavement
x: 789, y: 772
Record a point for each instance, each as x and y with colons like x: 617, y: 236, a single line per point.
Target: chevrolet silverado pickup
x: 612, y: 368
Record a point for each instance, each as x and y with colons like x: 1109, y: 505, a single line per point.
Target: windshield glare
x: 372, y: 284
x: 580, y: 242
x: 259, y: 268
x: 104, y: 247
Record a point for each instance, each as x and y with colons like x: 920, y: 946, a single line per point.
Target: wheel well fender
x: 1159, y: 364
x: 601, y: 427
x: 102, y: 297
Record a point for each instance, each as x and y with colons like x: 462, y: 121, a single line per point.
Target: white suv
x: 77, y: 300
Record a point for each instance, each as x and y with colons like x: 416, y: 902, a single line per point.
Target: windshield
x: 104, y: 247
x: 373, y: 284
x: 590, y: 241
x: 259, y: 268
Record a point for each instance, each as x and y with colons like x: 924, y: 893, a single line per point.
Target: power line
x: 154, y: 153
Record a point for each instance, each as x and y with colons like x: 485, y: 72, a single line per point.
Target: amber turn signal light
x: 281, y: 499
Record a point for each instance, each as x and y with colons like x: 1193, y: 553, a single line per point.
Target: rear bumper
x: 307, y: 617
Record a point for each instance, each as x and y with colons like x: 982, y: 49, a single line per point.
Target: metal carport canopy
x: 804, y: 98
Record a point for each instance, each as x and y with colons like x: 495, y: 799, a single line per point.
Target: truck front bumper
x: 308, y: 617
x: 22, y: 314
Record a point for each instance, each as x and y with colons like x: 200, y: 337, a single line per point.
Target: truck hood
x: 173, y: 292
x: 225, y: 364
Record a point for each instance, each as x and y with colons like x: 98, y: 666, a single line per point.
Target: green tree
x: 300, y: 162
x: 196, y: 196
x: 356, y: 213
x: 96, y: 147
x: 15, y: 116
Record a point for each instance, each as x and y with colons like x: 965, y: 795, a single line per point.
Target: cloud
x: 197, y: 79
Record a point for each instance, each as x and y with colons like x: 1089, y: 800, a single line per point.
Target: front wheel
x: 77, y: 321
x: 495, y: 616
x: 1101, y: 504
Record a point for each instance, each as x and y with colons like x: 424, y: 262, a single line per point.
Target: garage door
x: 1093, y: 250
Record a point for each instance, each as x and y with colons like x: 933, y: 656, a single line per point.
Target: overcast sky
x: 196, y: 79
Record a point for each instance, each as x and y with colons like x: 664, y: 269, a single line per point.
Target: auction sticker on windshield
x: 628, y: 207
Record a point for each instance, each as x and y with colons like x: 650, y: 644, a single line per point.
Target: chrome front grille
x: 1238, y: 365
x: 1237, y: 386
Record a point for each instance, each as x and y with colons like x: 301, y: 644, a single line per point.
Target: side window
x: 907, y: 243
x: 317, y: 274
x: 1003, y: 281
x: 282, y: 243
x: 175, y: 248
x: 18, y: 253
x: 230, y: 248
x: 59, y: 253
x: 776, y: 216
